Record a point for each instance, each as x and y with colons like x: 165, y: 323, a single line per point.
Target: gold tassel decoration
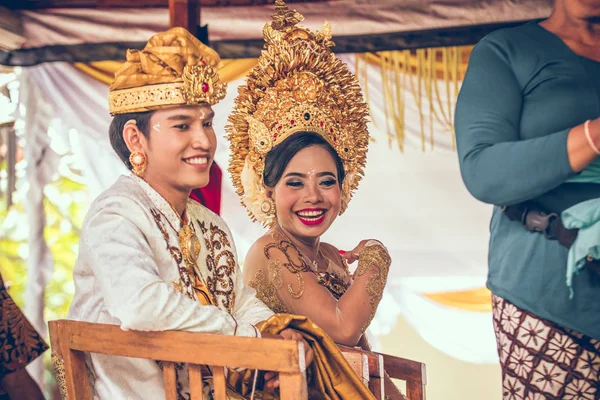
x: 421, y: 72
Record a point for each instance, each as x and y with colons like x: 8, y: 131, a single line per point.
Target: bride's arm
x: 346, y: 319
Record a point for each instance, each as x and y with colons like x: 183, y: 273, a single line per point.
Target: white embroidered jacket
x: 125, y: 275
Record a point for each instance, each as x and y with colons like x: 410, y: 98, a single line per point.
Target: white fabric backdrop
x: 83, y: 25
x: 415, y: 202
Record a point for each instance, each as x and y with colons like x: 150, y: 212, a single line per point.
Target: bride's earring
x: 268, y: 206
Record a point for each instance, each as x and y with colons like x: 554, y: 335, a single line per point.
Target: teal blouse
x: 523, y: 91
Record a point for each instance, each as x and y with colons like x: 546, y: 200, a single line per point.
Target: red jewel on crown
x: 202, y: 62
x: 322, y: 123
x: 292, y: 122
x: 205, y: 87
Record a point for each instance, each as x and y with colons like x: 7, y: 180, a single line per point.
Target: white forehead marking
x: 202, y: 114
x: 156, y: 127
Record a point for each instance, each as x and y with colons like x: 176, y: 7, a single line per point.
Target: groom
x: 148, y: 259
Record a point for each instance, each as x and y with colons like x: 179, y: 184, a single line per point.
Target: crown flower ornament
x: 174, y: 69
x: 298, y: 85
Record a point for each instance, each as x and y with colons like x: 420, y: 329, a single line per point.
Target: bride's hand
x: 353, y: 254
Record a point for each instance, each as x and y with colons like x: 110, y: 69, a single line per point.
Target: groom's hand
x: 290, y: 334
x: 272, y: 378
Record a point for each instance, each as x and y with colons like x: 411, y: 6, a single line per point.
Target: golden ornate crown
x: 174, y: 68
x: 297, y: 85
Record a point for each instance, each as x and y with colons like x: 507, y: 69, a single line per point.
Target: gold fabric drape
x: 478, y: 300
x: 331, y: 375
x: 431, y: 76
x: 104, y: 71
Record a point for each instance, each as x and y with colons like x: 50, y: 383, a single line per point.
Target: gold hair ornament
x: 298, y: 85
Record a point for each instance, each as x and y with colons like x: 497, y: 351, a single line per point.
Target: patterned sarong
x: 542, y: 360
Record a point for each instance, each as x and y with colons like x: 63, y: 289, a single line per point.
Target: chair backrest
x: 72, y: 339
x: 412, y: 372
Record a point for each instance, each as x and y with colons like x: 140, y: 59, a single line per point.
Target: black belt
x: 535, y: 220
x: 548, y: 224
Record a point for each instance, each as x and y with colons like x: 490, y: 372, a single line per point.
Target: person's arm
x: 344, y: 320
x: 124, y: 266
x: 22, y: 345
x: 496, y: 165
x: 19, y: 385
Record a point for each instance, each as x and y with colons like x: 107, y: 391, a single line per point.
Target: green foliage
x: 65, y: 205
x: 64, y: 216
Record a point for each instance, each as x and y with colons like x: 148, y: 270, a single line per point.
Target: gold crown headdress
x: 297, y: 85
x: 174, y: 68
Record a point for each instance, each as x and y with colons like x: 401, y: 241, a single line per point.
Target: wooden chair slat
x: 195, y: 373
x: 186, y: 347
x: 293, y: 386
x: 71, y: 363
x: 170, y: 380
x: 219, y: 383
x: 401, y: 368
x: 359, y: 364
x: 76, y: 359
x: 415, y: 391
x: 377, y: 376
x: 412, y: 372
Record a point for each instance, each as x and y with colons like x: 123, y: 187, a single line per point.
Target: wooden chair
x: 412, y: 372
x: 71, y: 339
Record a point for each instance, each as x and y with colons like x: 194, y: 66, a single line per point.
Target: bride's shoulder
x: 331, y: 252
x: 262, y: 244
x: 329, y: 247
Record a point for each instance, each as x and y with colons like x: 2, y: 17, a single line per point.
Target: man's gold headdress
x: 174, y: 68
x: 297, y: 85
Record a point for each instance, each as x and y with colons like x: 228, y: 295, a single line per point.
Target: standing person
x: 528, y: 136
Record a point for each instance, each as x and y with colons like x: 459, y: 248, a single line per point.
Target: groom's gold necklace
x: 188, y: 241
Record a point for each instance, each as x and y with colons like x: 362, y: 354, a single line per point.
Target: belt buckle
x: 539, y: 221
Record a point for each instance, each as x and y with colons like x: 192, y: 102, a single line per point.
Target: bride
x: 299, y: 140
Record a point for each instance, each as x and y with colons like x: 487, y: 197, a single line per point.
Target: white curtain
x: 62, y: 26
x: 414, y: 202
x: 42, y: 163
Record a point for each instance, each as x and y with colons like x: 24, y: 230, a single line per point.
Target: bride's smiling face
x: 308, y: 194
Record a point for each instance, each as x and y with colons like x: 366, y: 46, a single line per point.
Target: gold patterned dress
x: 341, y: 303
x: 20, y: 344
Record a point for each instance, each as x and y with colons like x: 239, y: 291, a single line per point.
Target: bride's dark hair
x: 279, y: 157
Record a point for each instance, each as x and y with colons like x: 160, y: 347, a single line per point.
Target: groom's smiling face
x: 308, y: 195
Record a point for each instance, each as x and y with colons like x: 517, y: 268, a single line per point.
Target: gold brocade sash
x: 331, y: 375
x: 202, y: 293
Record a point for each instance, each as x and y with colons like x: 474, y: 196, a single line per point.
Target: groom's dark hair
x: 279, y: 157
x: 115, y: 132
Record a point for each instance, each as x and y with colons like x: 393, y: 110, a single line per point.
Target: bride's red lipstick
x: 312, y: 222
